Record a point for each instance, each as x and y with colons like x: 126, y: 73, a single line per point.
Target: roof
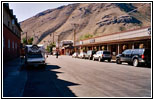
x: 40, y: 45
x: 117, y: 33
x: 10, y: 11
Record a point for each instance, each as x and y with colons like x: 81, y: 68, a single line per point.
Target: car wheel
x: 118, y: 61
x: 93, y: 59
x: 135, y: 62
x: 99, y: 59
x: 109, y: 60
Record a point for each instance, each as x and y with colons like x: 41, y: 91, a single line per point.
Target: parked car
x: 90, y: 54
x: 102, y: 55
x: 75, y: 55
x: 135, y: 57
x: 82, y: 55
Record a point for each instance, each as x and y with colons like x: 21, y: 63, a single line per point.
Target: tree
x: 30, y: 41
x: 24, y: 40
x: 50, y: 46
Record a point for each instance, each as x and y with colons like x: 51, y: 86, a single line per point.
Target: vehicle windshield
x: 35, y: 56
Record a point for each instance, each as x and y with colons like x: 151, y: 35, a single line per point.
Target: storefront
x: 117, y: 42
x: 66, y: 47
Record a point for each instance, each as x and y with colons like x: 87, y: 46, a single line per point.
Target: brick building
x: 11, y: 34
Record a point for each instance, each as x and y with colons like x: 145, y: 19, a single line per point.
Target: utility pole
x: 53, y: 37
x: 58, y: 39
x: 74, y: 35
x: 26, y: 38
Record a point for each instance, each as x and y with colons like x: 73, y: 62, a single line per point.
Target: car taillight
x: 142, y: 56
x: 102, y: 55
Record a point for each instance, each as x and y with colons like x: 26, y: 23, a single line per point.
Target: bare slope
x: 92, y: 18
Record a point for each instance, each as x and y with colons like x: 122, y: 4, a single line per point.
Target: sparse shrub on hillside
x: 122, y: 28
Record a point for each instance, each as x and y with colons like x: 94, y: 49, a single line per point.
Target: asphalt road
x: 73, y: 77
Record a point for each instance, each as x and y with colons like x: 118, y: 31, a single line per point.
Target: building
x: 11, y: 34
x: 117, y: 42
x: 66, y: 47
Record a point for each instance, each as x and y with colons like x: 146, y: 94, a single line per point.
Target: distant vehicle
x: 135, y: 57
x: 35, y: 55
x: 82, y: 55
x: 90, y: 54
x: 75, y: 55
x: 102, y: 55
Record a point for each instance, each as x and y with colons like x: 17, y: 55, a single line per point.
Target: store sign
x: 92, y: 40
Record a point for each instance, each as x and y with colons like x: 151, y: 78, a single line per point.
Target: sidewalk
x: 12, y: 66
x: 14, y: 78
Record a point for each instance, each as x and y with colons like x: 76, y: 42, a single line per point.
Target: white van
x: 35, y: 55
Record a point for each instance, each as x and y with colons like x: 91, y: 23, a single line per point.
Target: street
x: 73, y: 77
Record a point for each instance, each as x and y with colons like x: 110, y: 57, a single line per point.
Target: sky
x: 24, y: 11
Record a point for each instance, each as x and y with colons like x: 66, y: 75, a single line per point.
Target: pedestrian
x: 56, y: 54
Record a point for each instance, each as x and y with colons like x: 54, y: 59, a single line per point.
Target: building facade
x: 66, y: 47
x: 117, y: 42
x: 11, y: 34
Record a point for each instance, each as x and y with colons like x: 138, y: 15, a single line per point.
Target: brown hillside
x: 93, y: 19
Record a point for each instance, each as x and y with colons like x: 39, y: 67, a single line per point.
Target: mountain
x: 91, y: 19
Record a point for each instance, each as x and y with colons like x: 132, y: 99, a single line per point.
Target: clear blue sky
x: 27, y: 10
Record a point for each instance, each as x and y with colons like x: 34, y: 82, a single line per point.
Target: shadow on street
x: 43, y: 82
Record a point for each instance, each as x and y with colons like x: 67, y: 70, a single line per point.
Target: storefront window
x: 13, y: 44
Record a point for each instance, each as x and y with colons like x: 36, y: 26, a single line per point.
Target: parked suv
x: 90, y: 54
x: 102, y: 55
x: 135, y: 57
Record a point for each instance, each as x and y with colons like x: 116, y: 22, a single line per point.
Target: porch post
x: 133, y: 46
x: 107, y: 47
x: 118, y: 49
